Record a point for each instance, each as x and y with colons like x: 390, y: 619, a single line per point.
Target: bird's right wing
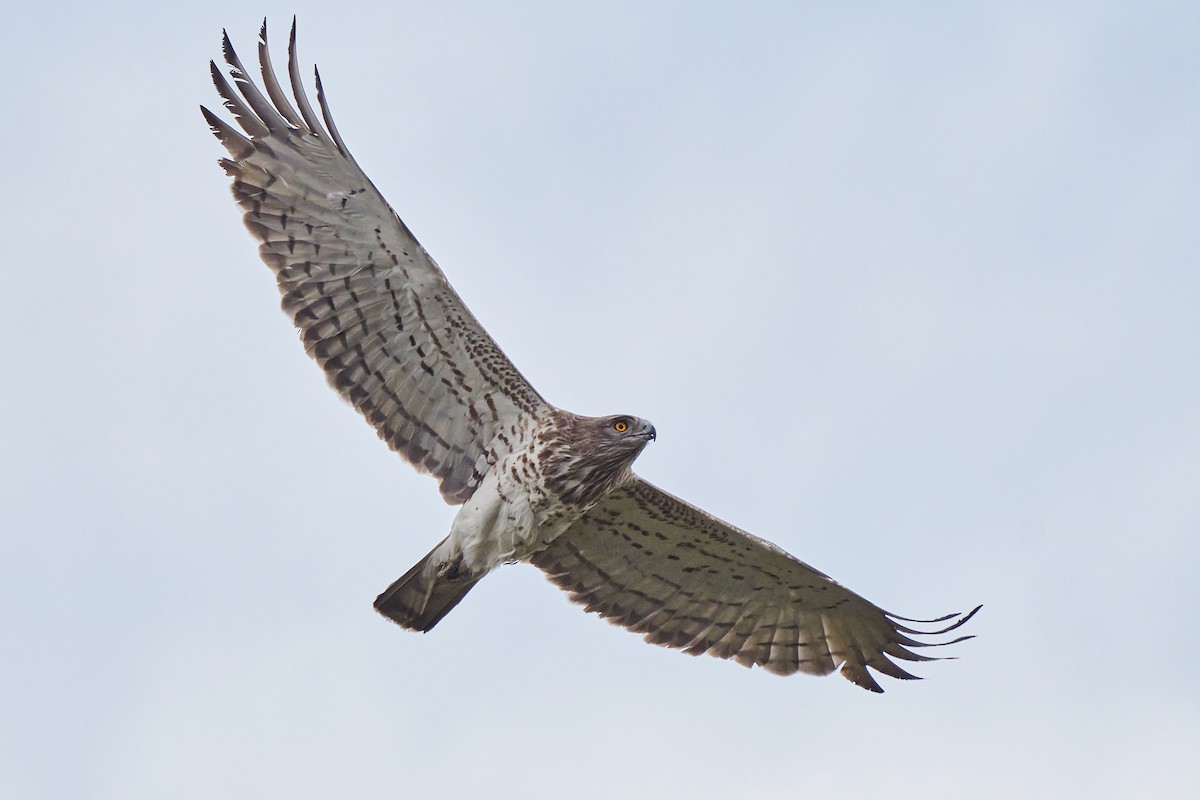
x: 373, y: 308
x: 654, y: 564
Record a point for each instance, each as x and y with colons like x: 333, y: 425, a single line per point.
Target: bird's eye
x: 620, y: 426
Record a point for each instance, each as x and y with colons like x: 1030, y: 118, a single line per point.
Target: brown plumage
x: 535, y: 483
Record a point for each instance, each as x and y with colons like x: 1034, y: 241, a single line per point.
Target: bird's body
x: 526, y: 500
x: 535, y: 483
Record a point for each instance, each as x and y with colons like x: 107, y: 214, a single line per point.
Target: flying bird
x: 534, y: 483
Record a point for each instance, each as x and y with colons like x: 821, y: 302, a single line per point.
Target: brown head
x: 586, y: 457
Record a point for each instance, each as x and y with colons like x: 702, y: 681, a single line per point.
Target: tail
x: 427, y: 592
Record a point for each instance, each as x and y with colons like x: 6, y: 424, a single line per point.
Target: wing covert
x: 650, y: 562
x: 373, y: 308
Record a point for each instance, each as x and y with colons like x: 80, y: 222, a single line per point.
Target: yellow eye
x: 620, y: 426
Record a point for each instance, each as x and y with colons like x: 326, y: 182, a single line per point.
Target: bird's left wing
x: 651, y: 562
x: 373, y: 308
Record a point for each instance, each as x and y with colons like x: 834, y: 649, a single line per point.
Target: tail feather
x: 426, y: 593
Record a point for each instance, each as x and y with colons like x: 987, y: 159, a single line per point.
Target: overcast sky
x: 910, y: 289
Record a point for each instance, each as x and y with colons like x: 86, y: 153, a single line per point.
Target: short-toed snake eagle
x: 535, y: 483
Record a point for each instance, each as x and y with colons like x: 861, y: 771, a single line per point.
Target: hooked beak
x: 648, y: 432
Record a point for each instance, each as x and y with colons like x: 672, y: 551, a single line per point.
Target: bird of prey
x: 535, y: 483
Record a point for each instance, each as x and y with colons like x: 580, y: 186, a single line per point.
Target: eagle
x: 534, y: 483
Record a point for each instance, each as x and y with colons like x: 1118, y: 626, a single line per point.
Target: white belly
x: 491, y: 527
x: 501, y: 523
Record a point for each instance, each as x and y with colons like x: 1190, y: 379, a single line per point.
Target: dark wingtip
x: 238, y: 146
x: 959, y: 620
x: 965, y: 620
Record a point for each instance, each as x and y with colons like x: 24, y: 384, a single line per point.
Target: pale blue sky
x: 910, y: 289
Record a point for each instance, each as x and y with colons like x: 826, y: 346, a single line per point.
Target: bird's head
x: 623, y: 432
x: 606, y: 448
x: 586, y: 457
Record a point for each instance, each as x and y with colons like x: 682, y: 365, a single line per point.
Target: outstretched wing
x: 652, y: 563
x: 372, y: 307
